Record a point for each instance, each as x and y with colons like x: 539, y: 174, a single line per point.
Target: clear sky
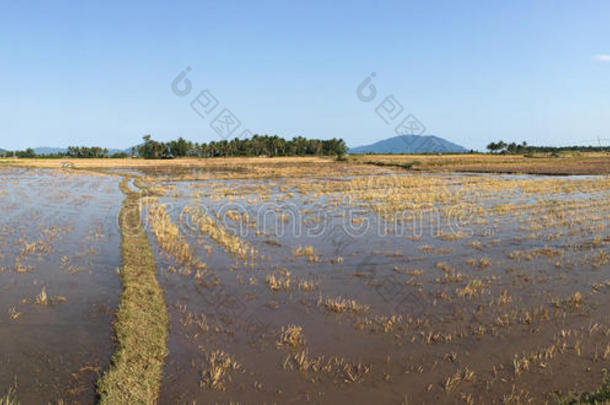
x: 100, y: 72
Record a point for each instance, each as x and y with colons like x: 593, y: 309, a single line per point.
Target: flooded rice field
x: 58, y: 284
x: 383, y: 287
x: 348, y: 285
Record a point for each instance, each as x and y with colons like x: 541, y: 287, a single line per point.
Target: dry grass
x: 309, y: 252
x: 291, y: 336
x: 316, y: 367
x: 219, y: 234
x: 218, y: 372
x: 13, y: 314
x: 168, y: 237
x: 42, y: 299
x: 10, y: 398
x: 278, y: 282
x: 141, y: 322
x: 340, y: 305
x: 137, y: 163
x: 570, y: 163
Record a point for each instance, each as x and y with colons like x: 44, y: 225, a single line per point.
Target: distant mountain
x: 134, y: 147
x: 411, y: 144
x: 48, y: 150
x: 113, y: 151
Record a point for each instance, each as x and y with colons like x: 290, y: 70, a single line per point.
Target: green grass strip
x: 141, y: 321
x: 599, y: 397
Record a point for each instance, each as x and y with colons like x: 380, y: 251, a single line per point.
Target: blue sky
x: 100, y: 73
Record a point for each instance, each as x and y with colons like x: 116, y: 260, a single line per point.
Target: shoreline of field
x: 593, y: 163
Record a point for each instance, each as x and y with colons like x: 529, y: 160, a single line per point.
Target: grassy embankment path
x: 141, y: 320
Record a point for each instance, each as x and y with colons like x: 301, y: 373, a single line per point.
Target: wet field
x: 351, y: 284
x: 59, y: 287
x: 383, y: 287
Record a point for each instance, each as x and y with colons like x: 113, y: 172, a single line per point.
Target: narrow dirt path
x: 141, y: 320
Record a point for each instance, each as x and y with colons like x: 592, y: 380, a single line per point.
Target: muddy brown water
x: 56, y: 351
x: 442, y: 346
x: 439, y: 334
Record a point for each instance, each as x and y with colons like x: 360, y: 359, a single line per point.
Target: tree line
x: 81, y: 152
x: 257, y: 145
x: 513, y: 148
x: 87, y: 152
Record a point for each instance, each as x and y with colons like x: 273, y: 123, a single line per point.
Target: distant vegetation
x: 523, y: 148
x: 258, y: 145
x: 72, y: 152
x: 272, y: 146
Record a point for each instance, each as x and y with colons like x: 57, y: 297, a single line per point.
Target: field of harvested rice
x: 303, y: 280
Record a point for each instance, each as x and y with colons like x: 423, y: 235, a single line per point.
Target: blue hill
x: 411, y: 144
